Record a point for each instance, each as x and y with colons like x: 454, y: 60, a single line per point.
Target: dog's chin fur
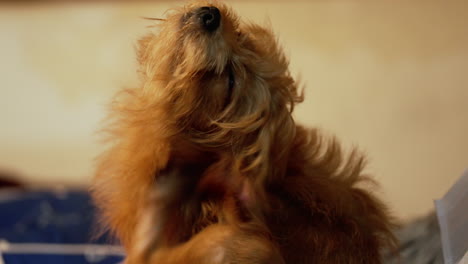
x: 206, y: 147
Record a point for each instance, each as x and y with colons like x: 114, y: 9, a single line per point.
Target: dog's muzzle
x: 209, y: 17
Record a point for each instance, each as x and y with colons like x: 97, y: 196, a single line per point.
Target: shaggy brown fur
x: 208, y: 166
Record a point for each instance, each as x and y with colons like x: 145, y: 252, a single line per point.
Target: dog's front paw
x: 220, y: 244
x: 168, y: 212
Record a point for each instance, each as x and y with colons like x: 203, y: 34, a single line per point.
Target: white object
x: 452, y: 212
x: 90, y: 251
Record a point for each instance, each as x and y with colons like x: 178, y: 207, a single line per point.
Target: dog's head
x: 224, y: 82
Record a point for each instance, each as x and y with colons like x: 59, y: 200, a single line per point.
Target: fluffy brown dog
x: 208, y: 166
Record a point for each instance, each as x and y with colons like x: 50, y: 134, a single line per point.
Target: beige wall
x: 389, y: 77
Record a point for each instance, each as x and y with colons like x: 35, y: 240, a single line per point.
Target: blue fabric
x: 50, y: 217
x: 56, y: 259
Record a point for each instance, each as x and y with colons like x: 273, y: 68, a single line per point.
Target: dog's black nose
x: 210, y: 17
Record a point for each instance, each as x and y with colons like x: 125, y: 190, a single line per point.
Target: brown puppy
x: 208, y: 166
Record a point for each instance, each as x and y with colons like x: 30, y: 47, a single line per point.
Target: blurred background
x: 388, y: 77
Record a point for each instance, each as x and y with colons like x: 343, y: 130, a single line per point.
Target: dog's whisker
x: 153, y: 18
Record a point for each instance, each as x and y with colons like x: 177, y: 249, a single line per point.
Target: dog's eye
x: 238, y: 35
x: 232, y: 81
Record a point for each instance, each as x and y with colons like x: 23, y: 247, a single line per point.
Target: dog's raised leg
x: 216, y: 244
